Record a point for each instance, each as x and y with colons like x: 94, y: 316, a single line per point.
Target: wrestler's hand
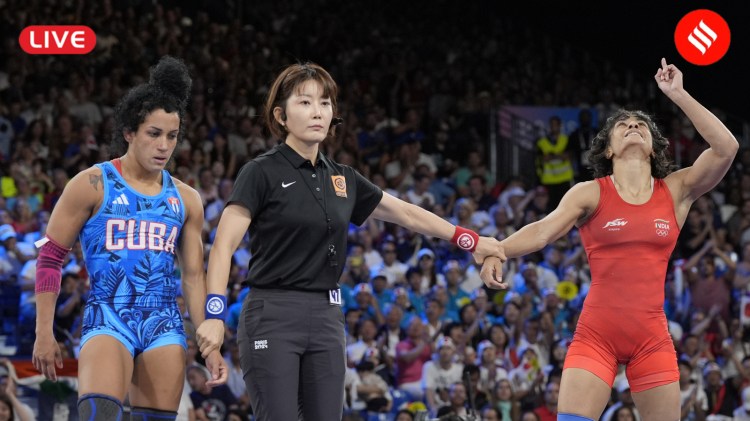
x: 492, y: 273
x: 669, y: 79
x: 492, y: 276
x: 218, y: 368
x: 47, y: 355
x: 210, y: 336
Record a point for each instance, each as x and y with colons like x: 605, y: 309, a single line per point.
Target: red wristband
x: 465, y: 239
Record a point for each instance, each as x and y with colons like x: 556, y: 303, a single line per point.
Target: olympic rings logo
x: 662, y: 233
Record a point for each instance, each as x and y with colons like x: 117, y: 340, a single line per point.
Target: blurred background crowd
x: 418, y: 100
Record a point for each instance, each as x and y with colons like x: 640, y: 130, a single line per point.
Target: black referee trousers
x: 292, y: 352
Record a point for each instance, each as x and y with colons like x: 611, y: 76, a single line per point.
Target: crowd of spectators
x: 423, y: 335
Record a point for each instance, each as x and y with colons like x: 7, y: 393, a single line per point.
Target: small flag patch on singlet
x: 174, y: 203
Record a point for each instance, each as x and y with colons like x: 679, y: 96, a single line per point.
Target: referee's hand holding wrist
x: 210, y: 336
x: 488, y: 246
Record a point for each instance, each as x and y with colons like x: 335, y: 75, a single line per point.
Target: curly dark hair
x: 168, y: 88
x: 601, y: 166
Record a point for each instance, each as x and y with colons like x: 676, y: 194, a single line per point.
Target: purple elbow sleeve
x: 49, y: 267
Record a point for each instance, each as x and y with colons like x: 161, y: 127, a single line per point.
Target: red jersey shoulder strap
x: 118, y: 165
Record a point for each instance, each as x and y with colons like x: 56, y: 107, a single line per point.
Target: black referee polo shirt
x: 291, y: 203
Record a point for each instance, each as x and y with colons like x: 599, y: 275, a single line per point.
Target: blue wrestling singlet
x: 129, y: 249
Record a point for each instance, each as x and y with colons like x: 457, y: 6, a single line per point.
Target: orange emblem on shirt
x: 339, y: 185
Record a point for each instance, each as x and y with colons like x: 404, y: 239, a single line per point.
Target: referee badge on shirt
x: 339, y: 185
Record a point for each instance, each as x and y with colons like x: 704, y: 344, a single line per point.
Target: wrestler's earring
x: 608, y: 154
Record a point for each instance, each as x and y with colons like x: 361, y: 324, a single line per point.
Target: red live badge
x: 57, y: 39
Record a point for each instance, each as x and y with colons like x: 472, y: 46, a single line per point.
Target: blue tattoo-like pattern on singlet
x: 129, y: 249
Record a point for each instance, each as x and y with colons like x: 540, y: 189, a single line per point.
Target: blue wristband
x: 216, y: 307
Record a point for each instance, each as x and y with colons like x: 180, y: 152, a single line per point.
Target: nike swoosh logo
x: 285, y: 185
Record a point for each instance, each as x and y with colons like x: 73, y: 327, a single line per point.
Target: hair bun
x: 172, y: 76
